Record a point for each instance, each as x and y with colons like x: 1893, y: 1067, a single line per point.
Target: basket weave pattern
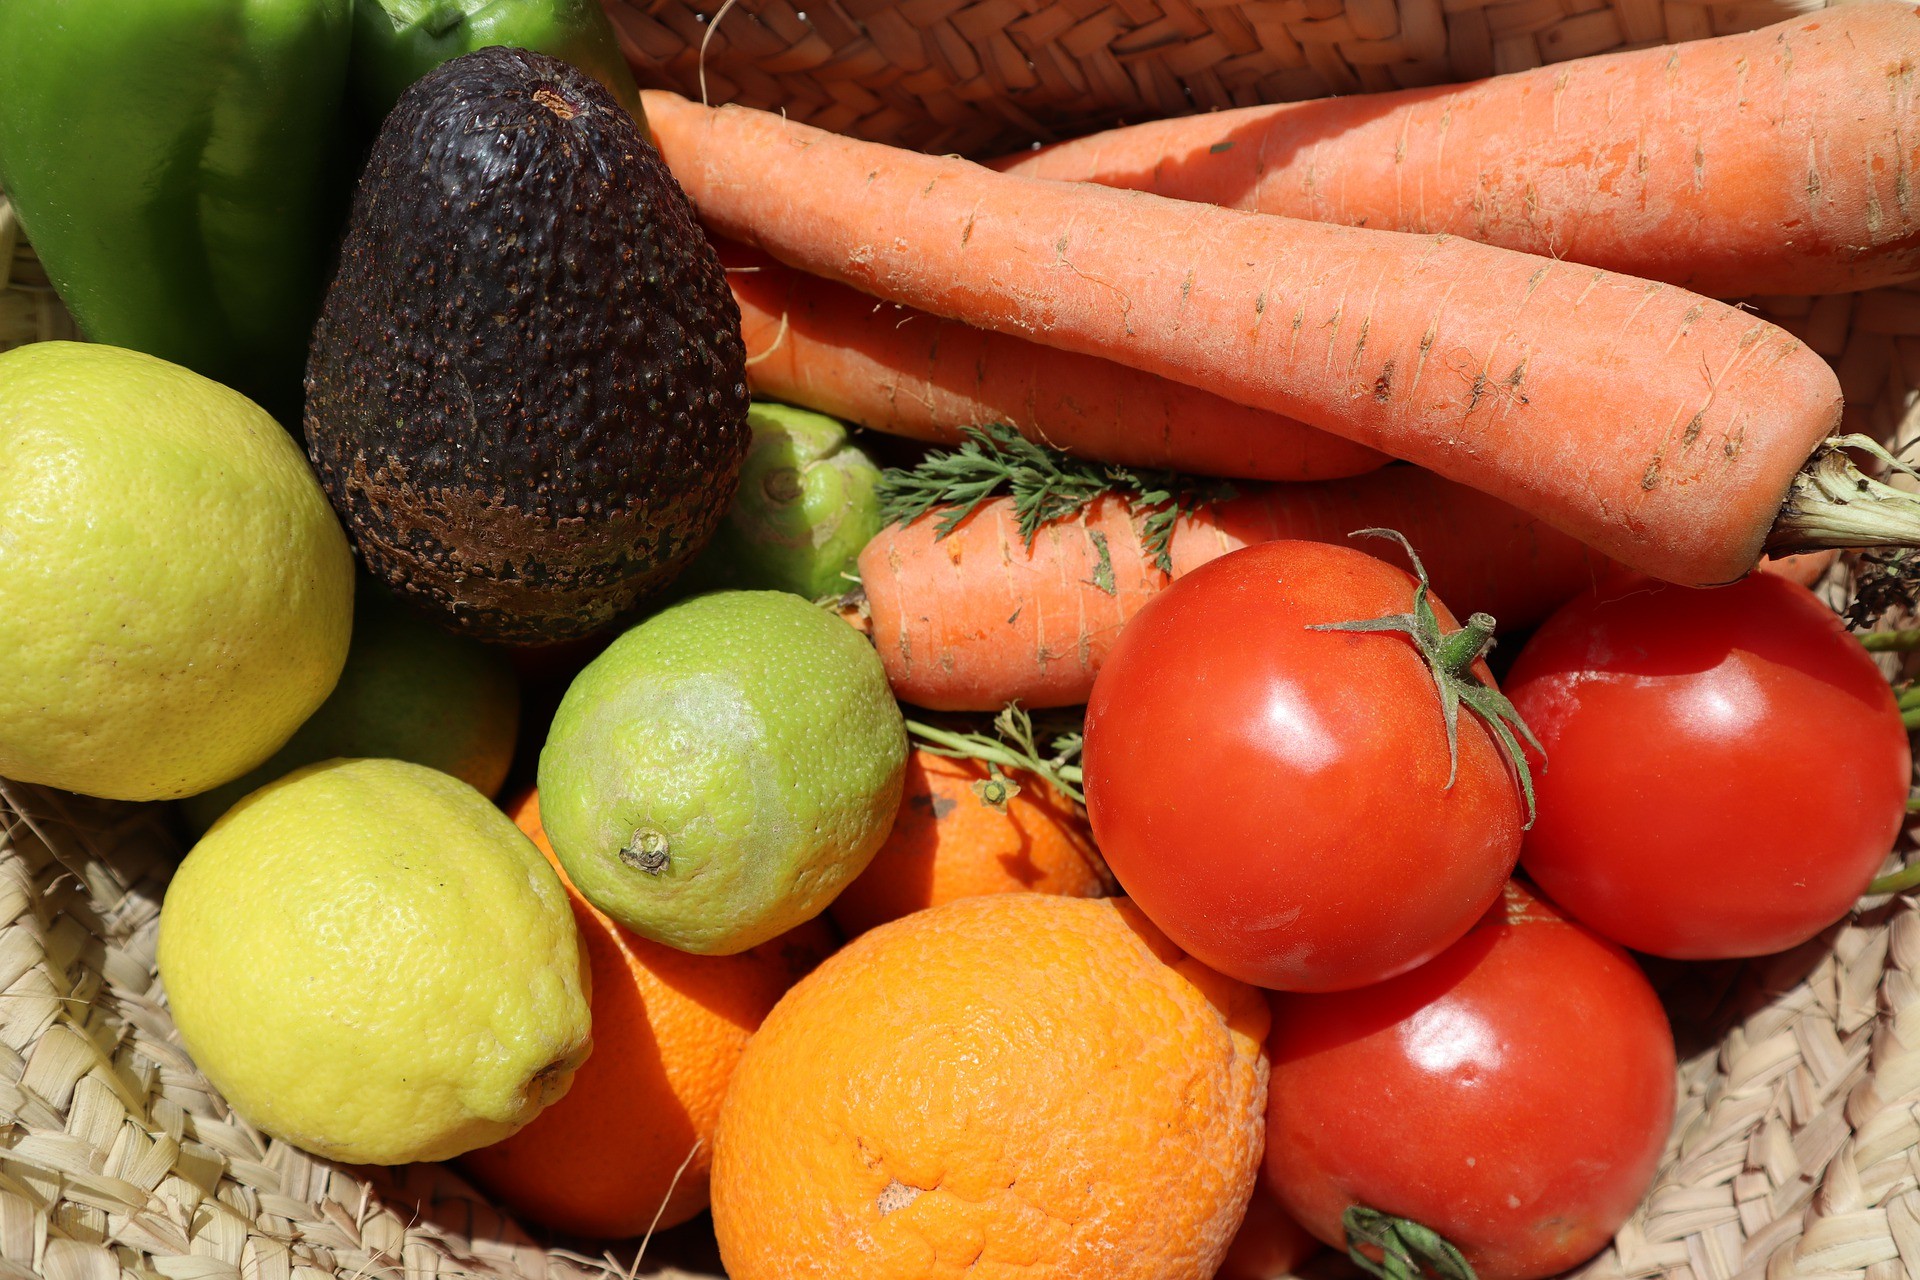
x: 976, y: 76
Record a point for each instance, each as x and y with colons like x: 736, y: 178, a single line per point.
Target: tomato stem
x: 1450, y: 657
x: 1892, y: 641
x: 1408, y: 1250
x: 1897, y: 881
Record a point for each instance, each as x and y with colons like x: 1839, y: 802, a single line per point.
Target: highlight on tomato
x: 1298, y: 765
x: 1508, y: 1100
x: 1727, y: 768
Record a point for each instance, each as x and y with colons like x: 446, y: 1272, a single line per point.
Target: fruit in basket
x: 1016, y: 1082
x: 808, y: 502
x: 723, y: 769
x: 952, y: 840
x: 526, y: 392
x: 1728, y: 768
x: 409, y: 691
x: 175, y: 594
x: 630, y: 1145
x: 373, y: 963
x: 1269, y: 1244
x: 1513, y: 1095
x: 1284, y: 788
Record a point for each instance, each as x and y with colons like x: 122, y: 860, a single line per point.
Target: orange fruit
x: 948, y: 843
x: 1269, y: 1245
x: 668, y: 1029
x: 1019, y: 1084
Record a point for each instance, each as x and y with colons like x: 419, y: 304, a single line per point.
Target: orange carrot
x: 975, y: 620
x: 1660, y: 427
x: 1777, y: 161
x: 822, y: 345
x: 901, y: 371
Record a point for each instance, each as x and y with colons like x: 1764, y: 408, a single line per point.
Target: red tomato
x: 1275, y: 798
x: 1726, y: 769
x: 1514, y: 1095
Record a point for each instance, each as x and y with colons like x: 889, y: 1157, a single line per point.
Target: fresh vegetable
x: 1294, y: 794
x: 808, y: 502
x: 174, y: 162
x: 528, y: 404
x: 893, y: 369
x: 1778, y: 161
x: 1729, y: 768
x: 1659, y: 427
x: 985, y: 616
x: 1512, y: 1095
x: 395, y: 42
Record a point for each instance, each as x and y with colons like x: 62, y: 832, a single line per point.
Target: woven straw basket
x: 1796, y: 1147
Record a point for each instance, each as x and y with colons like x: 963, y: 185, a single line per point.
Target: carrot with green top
x: 1662, y: 428
x: 1779, y: 161
x: 1008, y: 571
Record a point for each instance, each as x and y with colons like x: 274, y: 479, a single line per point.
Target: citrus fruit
x: 175, y: 593
x: 723, y: 769
x: 1014, y: 1083
x: 1269, y: 1244
x: 409, y: 691
x: 633, y: 1138
x: 370, y: 961
x: 950, y: 842
x: 809, y: 501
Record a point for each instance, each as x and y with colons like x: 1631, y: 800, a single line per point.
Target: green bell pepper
x: 176, y: 165
x: 395, y: 42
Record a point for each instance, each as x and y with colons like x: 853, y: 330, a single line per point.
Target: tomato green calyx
x: 1408, y: 1250
x: 1450, y: 657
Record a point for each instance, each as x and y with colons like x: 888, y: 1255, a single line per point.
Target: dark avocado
x: 527, y: 391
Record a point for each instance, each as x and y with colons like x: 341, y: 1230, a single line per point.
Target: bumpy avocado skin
x: 526, y: 394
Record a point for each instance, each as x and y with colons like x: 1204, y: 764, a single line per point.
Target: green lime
x: 808, y: 502
x: 723, y: 770
x: 410, y: 691
x: 175, y: 593
x: 372, y: 962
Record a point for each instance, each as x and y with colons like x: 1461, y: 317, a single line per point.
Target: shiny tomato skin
x: 1275, y: 797
x: 1726, y: 769
x: 1514, y: 1094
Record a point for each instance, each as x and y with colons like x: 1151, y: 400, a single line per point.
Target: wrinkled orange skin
x: 1013, y: 1085
x: 948, y: 843
x: 668, y: 1029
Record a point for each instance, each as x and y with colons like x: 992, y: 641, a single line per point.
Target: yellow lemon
x: 372, y: 962
x: 175, y: 593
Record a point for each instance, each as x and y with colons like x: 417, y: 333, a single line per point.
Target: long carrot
x: 1660, y: 427
x: 974, y: 620
x: 1777, y: 161
x: 819, y: 344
